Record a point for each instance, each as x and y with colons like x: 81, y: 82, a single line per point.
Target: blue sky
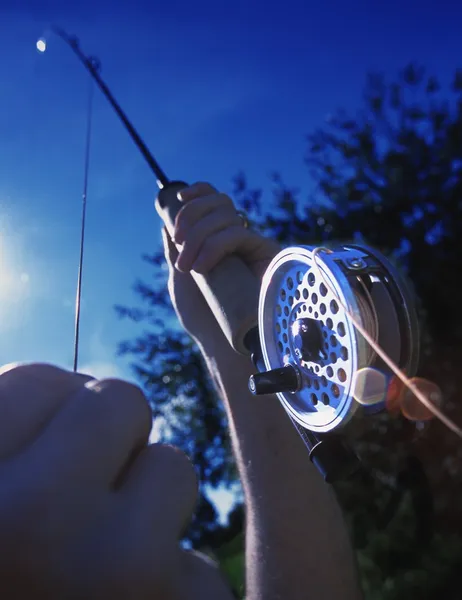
x: 214, y: 88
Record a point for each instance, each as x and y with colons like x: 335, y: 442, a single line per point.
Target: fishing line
x: 83, y: 222
x: 368, y: 316
x: 383, y: 355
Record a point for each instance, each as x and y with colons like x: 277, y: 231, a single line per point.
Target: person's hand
x: 207, y: 229
x: 87, y: 508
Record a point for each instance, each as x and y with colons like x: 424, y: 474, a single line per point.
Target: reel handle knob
x: 275, y: 381
x: 230, y: 289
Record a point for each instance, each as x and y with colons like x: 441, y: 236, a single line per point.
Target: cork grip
x: 230, y: 289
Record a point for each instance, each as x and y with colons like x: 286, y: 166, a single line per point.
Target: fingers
x: 30, y: 396
x: 197, y: 190
x: 161, y: 481
x: 95, y: 434
x: 233, y: 240
x: 208, y: 228
x: 206, y: 214
x: 196, y: 209
x: 186, y: 219
x: 223, y: 217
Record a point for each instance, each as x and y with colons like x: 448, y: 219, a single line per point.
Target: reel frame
x: 311, y: 349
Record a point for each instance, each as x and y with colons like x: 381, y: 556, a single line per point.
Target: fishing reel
x: 312, y: 353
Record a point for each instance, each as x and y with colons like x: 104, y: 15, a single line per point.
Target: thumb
x: 170, y: 251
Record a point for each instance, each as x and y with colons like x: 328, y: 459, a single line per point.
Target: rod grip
x: 230, y: 289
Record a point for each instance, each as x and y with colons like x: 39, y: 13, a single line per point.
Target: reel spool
x: 311, y: 350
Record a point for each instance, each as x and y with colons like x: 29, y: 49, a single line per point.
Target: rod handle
x: 230, y: 289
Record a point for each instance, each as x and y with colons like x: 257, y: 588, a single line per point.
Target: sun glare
x: 14, y: 285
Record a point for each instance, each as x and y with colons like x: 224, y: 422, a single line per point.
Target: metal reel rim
x: 404, y: 289
x: 304, y: 255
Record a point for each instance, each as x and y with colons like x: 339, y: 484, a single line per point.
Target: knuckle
x: 10, y: 368
x: 227, y: 213
x: 204, y: 186
x: 225, y: 199
x: 178, y: 463
x: 237, y: 220
x: 36, y: 370
x: 127, y: 397
x: 207, y: 201
x: 39, y: 378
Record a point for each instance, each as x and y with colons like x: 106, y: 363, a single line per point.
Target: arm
x: 297, y: 544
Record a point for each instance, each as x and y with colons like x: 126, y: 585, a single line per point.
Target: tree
x: 390, y: 176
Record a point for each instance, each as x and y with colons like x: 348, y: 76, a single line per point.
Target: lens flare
x: 412, y: 408
x: 41, y: 45
x: 370, y: 386
x: 394, y: 394
x: 408, y: 383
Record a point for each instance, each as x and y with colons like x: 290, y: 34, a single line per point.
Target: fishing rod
x: 330, y: 330
x: 236, y: 318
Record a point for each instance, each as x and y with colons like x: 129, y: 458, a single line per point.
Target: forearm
x: 297, y: 543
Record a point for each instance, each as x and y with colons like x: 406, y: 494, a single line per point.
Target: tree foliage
x: 391, y: 176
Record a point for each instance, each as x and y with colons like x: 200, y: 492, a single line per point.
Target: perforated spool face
x: 292, y: 290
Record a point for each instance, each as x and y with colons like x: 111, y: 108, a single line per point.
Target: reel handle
x: 230, y: 289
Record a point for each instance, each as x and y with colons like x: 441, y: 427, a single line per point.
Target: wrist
x: 222, y: 358
x: 214, y: 344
